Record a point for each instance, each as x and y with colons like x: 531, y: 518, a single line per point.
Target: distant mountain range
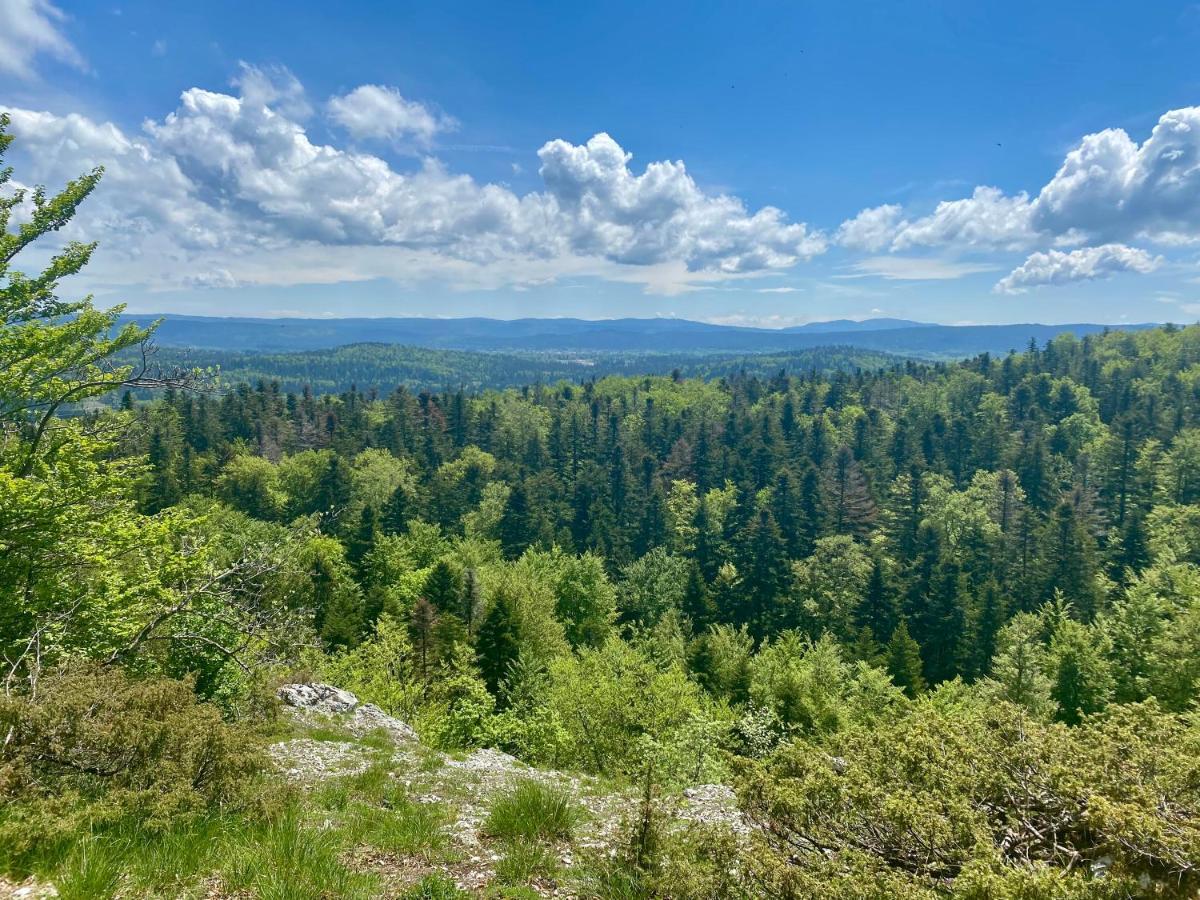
x: 898, y: 336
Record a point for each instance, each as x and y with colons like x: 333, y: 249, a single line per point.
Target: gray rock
x: 368, y: 718
x: 322, y: 698
x: 314, y: 700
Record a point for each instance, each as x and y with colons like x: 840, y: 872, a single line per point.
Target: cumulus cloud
x: 662, y: 214
x: 1083, y: 264
x: 378, y: 111
x: 232, y: 184
x: 29, y: 28
x: 1108, y: 190
x: 872, y: 229
x: 1112, y: 188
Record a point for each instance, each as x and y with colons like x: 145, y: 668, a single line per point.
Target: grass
x: 406, y: 827
x: 533, y: 810
x: 91, y: 872
x: 525, y: 860
x: 284, y: 860
x: 273, y: 857
x: 435, y: 887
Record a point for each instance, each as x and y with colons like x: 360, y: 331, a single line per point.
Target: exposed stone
x: 29, y: 889
x: 713, y: 804
x: 312, y: 701
x: 322, y: 698
x: 305, y: 759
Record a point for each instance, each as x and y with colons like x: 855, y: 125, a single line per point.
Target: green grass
x: 369, y: 786
x: 405, y: 827
x: 533, y: 810
x: 435, y: 887
x: 284, y: 860
x: 91, y: 872
x: 525, y: 860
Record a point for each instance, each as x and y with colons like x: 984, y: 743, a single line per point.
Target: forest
x: 376, y: 368
x: 937, y: 625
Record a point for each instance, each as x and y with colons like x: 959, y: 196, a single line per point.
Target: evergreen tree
x: 878, y: 608
x: 697, y: 603
x: 394, y: 519
x: 422, y: 627
x: 904, y: 661
x: 445, y: 588
x: 514, y: 528
x: 497, y: 643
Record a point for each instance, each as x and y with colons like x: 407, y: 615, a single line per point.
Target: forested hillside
x: 380, y: 368
x: 603, y: 336
x: 939, y: 625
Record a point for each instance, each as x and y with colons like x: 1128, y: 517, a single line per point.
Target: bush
x: 533, y: 810
x: 97, y: 746
x: 973, y: 796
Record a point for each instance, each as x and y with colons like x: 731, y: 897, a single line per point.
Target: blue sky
x: 752, y: 163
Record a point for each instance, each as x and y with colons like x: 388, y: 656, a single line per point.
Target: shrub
x: 97, y: 746
x: 974, y: 796
x: 533, y: 810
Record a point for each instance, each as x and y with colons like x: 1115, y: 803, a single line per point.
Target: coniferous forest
x: 937, y: 627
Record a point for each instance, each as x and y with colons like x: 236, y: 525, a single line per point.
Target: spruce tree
x: 444, y: 588
x: 497, y: 643
x: 904, y: 661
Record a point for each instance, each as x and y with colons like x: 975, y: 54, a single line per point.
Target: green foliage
x: 611, y: 698
x: 811, y: 687
x: 98, y: 747
x: 904, y: 661
x: 642, y: 576
x: 380, y: 670
x: 533, y: 810
x: 972, y: 794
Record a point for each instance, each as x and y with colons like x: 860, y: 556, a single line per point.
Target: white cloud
x: 29, y: 28
x: 662, y: 214
x: 912, y: 268
x: 233, y: 185
x: 986, y: 220
x: 1084, y: 264
x: 872, y: 229
x: 378, y: 111
x: 1109, y: 189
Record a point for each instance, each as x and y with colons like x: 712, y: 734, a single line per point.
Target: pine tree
x: 514, y: 527
x: 878, y: 608
x: 444, y: 588
x: 497, y: 643
x: 422, y: 624
x: 333, y: 492
x: 904, y: 661
x: 394, y: 519
x: 763, y: 564
x: 697, y: 603
x: 362, y: 540
x: 851, y: 507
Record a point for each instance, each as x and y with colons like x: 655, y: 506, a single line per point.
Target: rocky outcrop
x: 312, y: 702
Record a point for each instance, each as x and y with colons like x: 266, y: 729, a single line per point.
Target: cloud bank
x: 1108, y: 193
x: 1057, y: 267
x: 259, y: 185
x: 233, y: 183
